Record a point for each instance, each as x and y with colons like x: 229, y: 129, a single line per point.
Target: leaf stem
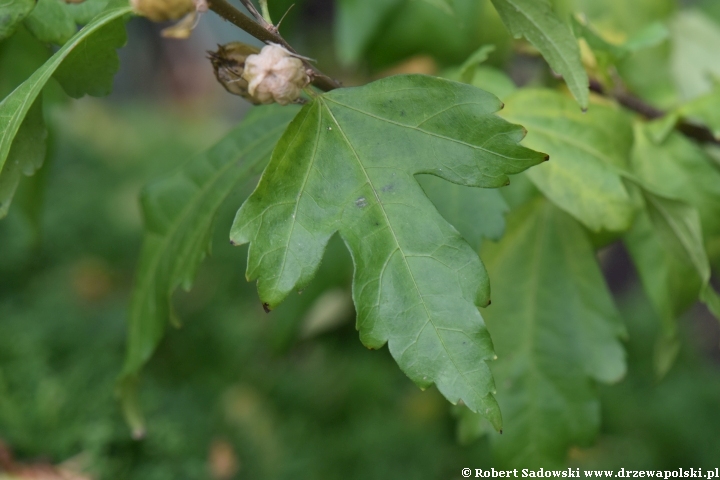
x: 265, y: 10
x: 266, y: 32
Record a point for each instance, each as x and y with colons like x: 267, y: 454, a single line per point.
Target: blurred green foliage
x: 317, y: 408
x: 279, y: 396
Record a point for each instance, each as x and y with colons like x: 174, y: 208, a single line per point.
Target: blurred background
x: 236, y: 393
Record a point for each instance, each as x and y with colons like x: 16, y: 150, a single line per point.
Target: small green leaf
x: 357, y: 23
x: 467, y: 70
x: 50, y: 22
x: 179, y: 214
x: 26, y: 155
x: 12, y: 14
x: 346, y: 164
x: 587, y: 150
x: 536, y: 21
x: 15, y: 106
x: 555, y: 329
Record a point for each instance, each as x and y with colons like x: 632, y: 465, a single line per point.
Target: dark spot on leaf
x: 500, y: 431
x: 584, y: 110
x: 547, y: 157
x: 389, y: 187
x: 377, y: 224
x: 402, y: 113
x: 232, y: 242
x: 502, y: 105
x: 489, y: 302
x: 508, y: 182
x: 266, y: 307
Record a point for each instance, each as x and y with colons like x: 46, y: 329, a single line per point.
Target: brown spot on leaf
x: 266, y: 307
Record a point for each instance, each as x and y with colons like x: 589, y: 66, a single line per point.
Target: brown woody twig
x: 691, y: 130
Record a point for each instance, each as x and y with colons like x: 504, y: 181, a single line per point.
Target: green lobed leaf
x: 587, y: 152
x: 357, y: 23
x: 556, y: 330
x: 12, y: 13
x: 179, y: 213
x: 15, y: 106
x: 26, y: 155
x: 536, y: 21
x: 346, y: 164
x: 50, y: 22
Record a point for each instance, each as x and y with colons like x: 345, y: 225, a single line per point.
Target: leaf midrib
x: 399, y: 248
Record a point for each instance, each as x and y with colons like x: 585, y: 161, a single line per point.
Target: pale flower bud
x: 163, y: 10
x: 275, y: 75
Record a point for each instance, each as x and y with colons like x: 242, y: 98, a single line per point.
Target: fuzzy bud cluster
x: 275, y: 75
x: 229, y: 64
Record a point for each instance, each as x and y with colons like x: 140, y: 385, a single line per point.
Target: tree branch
x: 265, y: 32
x: 699, y: 133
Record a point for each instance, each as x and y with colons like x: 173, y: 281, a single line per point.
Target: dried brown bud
x: 163, y: 10
x: 229, y: 65
x: 275, y: 75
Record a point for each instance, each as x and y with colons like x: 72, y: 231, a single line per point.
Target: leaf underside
x: 346, y: 164
x: 536, y: 21
x: 179, y: 213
